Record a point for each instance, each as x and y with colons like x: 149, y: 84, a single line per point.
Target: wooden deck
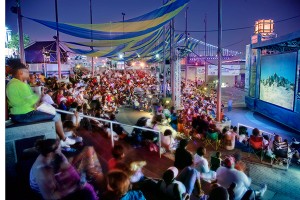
x: 155, y: 165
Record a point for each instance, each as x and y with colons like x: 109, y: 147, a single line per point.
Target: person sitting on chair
x: 281, y: 149
x: 257, y: 133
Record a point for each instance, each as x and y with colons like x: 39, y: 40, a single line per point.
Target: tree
x: 14, y: 42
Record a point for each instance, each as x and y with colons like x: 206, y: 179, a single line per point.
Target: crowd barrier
x: 111, y: 126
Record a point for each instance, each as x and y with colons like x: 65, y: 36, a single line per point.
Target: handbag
x: 46, y: 108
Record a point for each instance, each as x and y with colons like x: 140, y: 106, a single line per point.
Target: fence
x: 111, y: 126
x: 271, y: 135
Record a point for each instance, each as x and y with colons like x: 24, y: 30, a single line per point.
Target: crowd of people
x: 55, y: 177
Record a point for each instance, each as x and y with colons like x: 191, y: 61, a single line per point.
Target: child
x: 69, y: 129
x: 216, y: 161
x: 167, y: 141
x: 118, y: 154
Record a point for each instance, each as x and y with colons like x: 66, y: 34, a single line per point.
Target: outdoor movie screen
x: 278, y: 78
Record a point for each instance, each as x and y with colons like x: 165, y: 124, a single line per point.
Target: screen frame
x: 296, y: 78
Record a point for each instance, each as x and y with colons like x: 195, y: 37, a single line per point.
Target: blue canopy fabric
x: 128, y: 29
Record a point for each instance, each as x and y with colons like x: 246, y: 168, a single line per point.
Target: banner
x: 227, y: 70
x: 200, y: 70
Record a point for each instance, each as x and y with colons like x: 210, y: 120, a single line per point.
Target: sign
x: 227, y: 70
x: 200, y: 61
x: 200, y: 70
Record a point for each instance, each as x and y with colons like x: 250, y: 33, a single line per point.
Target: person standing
x: 229, y: 103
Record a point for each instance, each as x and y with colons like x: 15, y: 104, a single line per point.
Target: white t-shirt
x: 201, y: 164
x: 167, y: 141
x: 46, y: 98
x: 226, y: 176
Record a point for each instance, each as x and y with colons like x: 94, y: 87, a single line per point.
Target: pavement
x: 282, y: 184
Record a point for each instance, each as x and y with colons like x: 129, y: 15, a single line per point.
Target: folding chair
x: 284, y: 153
x: 212, y: 138
x: 256, y: 146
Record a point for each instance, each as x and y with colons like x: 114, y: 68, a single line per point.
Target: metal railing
x: 271, y: 135
x: 111, y: 126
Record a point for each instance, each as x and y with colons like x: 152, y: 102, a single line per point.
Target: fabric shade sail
x: 129, y: 29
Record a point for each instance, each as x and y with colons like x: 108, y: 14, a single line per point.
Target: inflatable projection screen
x: 278, y: 78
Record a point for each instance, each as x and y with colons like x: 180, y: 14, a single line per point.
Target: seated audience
x: 218, y: 193
x: 54, y: 177
x: 183, y: 157
x: 227, y: 174
x: 239, y: 164
x: 118, y: 154
x: 190, y: 177
x: 47, y: 98
x: 215, y: 161
x: 167, y: 141
x: 118, y: 184
x: 170, y: 187
x: 201, y: 164
x: 22, y: 101
x: 229, y: 139
x: 257, y: 133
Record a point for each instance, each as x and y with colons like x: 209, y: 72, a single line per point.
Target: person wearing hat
x: 62, y: 104
x: 227, y: 174
x: 22, y: 101
x: 171, y: 187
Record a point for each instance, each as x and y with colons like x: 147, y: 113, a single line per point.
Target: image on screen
x: 277, y: 79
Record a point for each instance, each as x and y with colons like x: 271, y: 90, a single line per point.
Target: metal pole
x: 123, y: 35
x: 57, y: 43
x: 205, y: 52
x: 112, y: 135
x: 186, y: 38
x: 91, y: 19
x: 21, y: 39
x: 172, y: 61
x: 44, y: 70
x: 164, y: 62
x: 219, y: 60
